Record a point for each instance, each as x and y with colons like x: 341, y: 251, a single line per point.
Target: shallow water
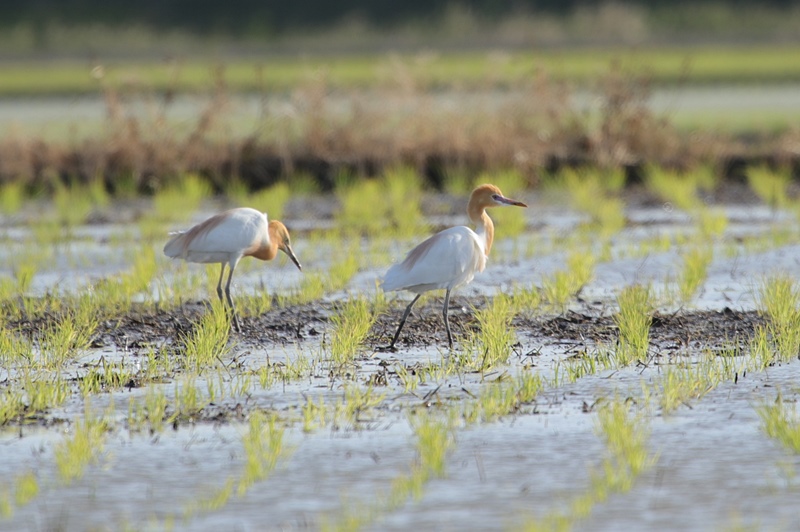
x: 715, y: 467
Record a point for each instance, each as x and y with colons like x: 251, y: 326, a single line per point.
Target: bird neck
x: 483, y: 224
x: 267, y: 250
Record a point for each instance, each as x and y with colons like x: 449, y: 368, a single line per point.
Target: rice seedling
x: 62, y: 341
x: 503, y: 397
x: 626, y: 458
x: 589, y: 193
x: 584, y: 364
x: 207, y: 343
x: 179, y: 200
x: 683, y: 383
x: 156, y: 408
x: 778, y: 298
x: 559, y: 288
x: 188, y: 401
x: 314, y: 285
x: 780, y: 422
x: 694, y: 271
x: 314, y: 414
x: 271, y: 200
x: 525, y: 299
x: 13, y: 348
x: 434, y: 440
x: 633, y: 320
x: 360, y: 213
x: 401, y: 193
x: 350, y: 328
x: 678, y: 189
x: 712, y: 223
x: 263, y: 446
x: 26, y: 488
x: 74, y: 454
x: 492, y: 345
x: 359, y: 402
x: 770, y: 185
x: 73, y: 204
x: 6, y: 508
x: 12, y: 196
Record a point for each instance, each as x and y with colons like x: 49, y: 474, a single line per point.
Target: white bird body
x: 450, y: 258
x: 226, y: 238
x: 223, y: 238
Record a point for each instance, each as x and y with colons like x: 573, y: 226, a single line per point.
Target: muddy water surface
x: 715, y: 468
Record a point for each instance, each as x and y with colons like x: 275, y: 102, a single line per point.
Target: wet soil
x: 682, y: 330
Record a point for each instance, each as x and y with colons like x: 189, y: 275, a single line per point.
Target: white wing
x: 220, y: 238
x: 447, y: 259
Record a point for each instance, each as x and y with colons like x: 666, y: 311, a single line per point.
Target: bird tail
x: 175, y: 248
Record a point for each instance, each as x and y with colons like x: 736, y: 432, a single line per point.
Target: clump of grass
x: 63, y: 340
x: 208, y: 341
x: 401, y: 192
x: 12, y: 195
x: 770, y: 185
x: 678, y: 189
x: 73, y: 204
x: 263, y: 446
x: 583, y: 364
x: 26, y: 488
x: 503, y: 397
x: 74, y: 454
x: 434, y: 439
x: 359, y: 401
x: 188, y: 401
x: 780, y: 422
x: 779, y: 298
x: 360, y: 212
x: 271, y: 200
x: 492, y: 344
x: 592, y: 193
x: 633, y: 320
x: 351, y: 324
x: 314, y: 414
x: 180, y: 198
x: 626, y: 439
x: 314, y: 285
x: 681, y: 383
x: 694, y: 271
x: 558, y: 289
x: 712, y: 223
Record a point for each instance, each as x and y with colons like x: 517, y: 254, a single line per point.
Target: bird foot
x: 386, y: 349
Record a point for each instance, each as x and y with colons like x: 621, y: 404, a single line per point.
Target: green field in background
x: 663, y: 66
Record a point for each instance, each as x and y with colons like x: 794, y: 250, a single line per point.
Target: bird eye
x: 495, y: 197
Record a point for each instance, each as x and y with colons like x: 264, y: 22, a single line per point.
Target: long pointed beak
x: 509, y: 201
x: 289, y: 252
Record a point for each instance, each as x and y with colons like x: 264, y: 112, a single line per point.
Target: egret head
x: 486, y: 196
x: 279, y: 232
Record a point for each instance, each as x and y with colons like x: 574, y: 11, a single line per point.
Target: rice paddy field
x: 627, y: 360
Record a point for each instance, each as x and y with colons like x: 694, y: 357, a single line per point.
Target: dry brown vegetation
x: 325, y: 132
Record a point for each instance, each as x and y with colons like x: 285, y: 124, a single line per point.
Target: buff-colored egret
x: 450, y: 258
x: 226, y: 238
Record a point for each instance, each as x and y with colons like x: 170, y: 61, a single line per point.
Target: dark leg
x: 234, y: 317
x: 219, y: 283
x: 402, y: 322
x: 447, y: 323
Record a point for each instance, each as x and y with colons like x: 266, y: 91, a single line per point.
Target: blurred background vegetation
x: 243, y: 93
x: 68, y: 27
